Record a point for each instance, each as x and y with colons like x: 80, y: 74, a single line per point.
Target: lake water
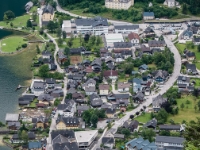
x: 12, y: 72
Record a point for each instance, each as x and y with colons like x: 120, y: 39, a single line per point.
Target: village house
x: 46, y: 55
x: 103, y: 89
x: 126, y: 28
x: 189, y: 55
x: 157, y: 44
x: 63, y: 123
x: 134, y: 38
x: 96, y: 65
x: 157, y: 102
x: 40, y: 122
x: 173, y: 128
x: 137, y: 85
x: 81, y: 109
x: 140, y: 143
x: 151, y: 124
x: 47, y: 14
x: 62, y: 58
x: 133, y: 126
x: 123, y: 87
x: 110, y: 39
x: 191, y: 69
x: 68, y: 109
x: 122, y: 46
x: 112, y: 74
x: 196, y: 40
x: 171, y: 3
x: 10, y: 117
x: 26, y: 99
x: 148, y: 32
x: 79, y: 97
x: 148, y: 16
x: 45, y: 99
x: 50, y: 82
x: 95, y: 101
x: 64, y: 139
x: 16, y: 139
x: 160, y: 75
x: 110, y: 112
x: 108, y: 141
x: 37, y: 87
x: 115, y: 4
x: 187, y: 34
x: 14, y: 125
x: 139, y: 98
x: 77, y: 51
x: 143, y: 68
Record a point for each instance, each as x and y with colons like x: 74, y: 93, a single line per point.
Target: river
x: 15, y: 69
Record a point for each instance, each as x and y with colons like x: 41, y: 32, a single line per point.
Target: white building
x: 85, y: 138
x: 126, y: 28
x: 171, y: 3
x: 134, y: 38
x: 168, y: 142
x: 37, y: 87
x: 112, y: 38
x: 119, y: 4
x: 97, y: 25
x: 67, y: 26
x: 68, y: 109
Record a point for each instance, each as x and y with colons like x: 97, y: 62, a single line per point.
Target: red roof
x: 88, y: 70
x: 103, y: 86
x: 108, y: 73
x: 133, y: 36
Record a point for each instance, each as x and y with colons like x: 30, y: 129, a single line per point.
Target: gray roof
x: 16, y: 124
x: 90, y: 89
x: 188, y: 33
x: 169, y: 127
x: 121, y: 96
x: 45, y: 97
x: 66, y: 146
x: 151, y: 123
x: 183, y: 78
x: 148, y: 14
x: 89, y: 81
x: 48, y: 9
x: 95, y: 100
x: 12, y: 117
x: 122, y: 44
x: 154, y: 43
x: 46, y: 53
x: 139, y: 96
x: 126, y: 27
x: 170, y: 139
x: 92, y: 22
x: 50, y: 81
x: 191, y: 67
x: 82, y: 107
x: 160, y: 73
x: 158, y: 101
x: 140, y: 143
x: 38, y: 85
x: 196, y: 39
x: 106, y: 140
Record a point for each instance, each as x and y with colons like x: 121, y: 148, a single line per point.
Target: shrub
x: 24, y: 45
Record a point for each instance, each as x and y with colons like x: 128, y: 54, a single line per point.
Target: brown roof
x: 88, y: 70
x: 123, y: 85
x: 133, y: 36
x: 103, y: 86
x: 119, y: 50
x: 108, y: 73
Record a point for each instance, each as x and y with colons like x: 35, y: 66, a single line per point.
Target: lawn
x: 143, y: 118
x: 11, y: 43
x: 188, y: 45
x: 75, y: 42
x: 17, y: 22
x: 197, y: 82
x: 33, y: 103
x: 188, y: 112
x: 90, y: 57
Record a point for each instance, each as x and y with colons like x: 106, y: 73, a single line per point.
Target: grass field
x: 11, y: 43
x: 17, y: 22
x: 75, y: 59
x: 188, y: 112
x: 143, y: 118
x: 75, y: 42
x: 181, y: 48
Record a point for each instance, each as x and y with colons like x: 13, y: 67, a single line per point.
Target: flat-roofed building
x: 110, y: 39
x: 85, y: 139
x: 126, y: 28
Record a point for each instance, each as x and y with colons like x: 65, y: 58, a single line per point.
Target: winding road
x: 165, y: 87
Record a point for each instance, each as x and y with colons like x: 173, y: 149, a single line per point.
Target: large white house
x: 68, y: 109
x: 37, y: 87
x: 97, y: 25
x: 171, y: 3
x: 119, y: 4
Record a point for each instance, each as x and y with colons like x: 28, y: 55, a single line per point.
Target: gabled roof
x: 50, y: 81
x: 144, y: 67
x: 68, y: 121
x: 66, y: 146
x: 123, y: 85
x: 183, y: 78
x: 154, y: 43
x: 169, y: 127
x: 48, y: 9
x: 151, y: 123
x: 109, y: 73
x: 196, y: 39
x: 148, y: 14
x: 170, y: 139
x: 133, y: 36
x: 103, y: 87
x: 160, y: 73
x: 158, y: 101
x: 66, y: 133
x: 46, y: 53
x: 122, y: 44
x: 45, y: 97
x: 191, y: 67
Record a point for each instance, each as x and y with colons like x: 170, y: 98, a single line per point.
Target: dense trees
x: 148, y: 133
x: 161, y: 116
x: 91, y: 116
x: 8, y: 15
x: 44, y: 73
x: 192, y: 135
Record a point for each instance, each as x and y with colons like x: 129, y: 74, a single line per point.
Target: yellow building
x: 40, y: 122
x: 67, y: 123
x: 119, y: 4
x: 48, y: 14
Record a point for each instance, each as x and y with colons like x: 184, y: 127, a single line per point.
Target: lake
x: 15, y: 69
